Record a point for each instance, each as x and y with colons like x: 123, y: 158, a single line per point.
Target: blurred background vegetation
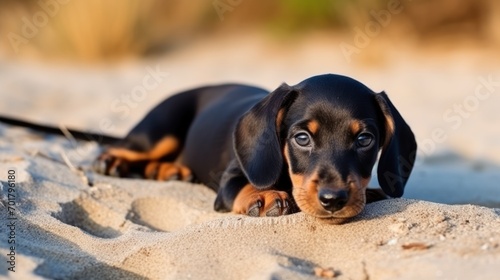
x: 96, y: 30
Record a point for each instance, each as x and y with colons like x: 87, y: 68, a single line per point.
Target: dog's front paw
x: 111, y: 165
x: 257, y: 203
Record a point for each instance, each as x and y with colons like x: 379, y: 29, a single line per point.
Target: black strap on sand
x: 77, y: 134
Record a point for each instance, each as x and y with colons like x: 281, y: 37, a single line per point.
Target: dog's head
x: 325, y: 134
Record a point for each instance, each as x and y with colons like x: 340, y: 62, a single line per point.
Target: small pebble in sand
x: 485, y: 246
x: 324, y: 272
x: 393, y: 241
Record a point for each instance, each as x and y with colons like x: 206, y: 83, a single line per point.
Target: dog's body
x: 311, y: 146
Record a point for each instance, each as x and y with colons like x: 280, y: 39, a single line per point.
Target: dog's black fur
x: 308, y: 147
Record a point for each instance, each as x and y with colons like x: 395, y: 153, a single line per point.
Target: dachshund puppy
x: 309, y: 147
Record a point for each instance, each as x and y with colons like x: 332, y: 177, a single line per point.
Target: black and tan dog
x: 308, y: 147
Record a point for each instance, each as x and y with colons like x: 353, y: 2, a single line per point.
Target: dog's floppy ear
x: 256, y: 138
x: 398, y: 151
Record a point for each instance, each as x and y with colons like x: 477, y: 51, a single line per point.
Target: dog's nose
x: 332, y: 200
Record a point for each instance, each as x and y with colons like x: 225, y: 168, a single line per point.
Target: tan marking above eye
x: 355, y: 127
x: 313, y: 126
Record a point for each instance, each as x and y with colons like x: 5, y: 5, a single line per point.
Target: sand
x: 74, y: 224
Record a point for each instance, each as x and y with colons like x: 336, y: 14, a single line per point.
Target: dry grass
x: 95, y: 30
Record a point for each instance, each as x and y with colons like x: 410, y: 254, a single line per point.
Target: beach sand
x: 74, y: 224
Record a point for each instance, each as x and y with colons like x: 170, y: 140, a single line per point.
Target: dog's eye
x: 302, y: 139
x: 364, y: 140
